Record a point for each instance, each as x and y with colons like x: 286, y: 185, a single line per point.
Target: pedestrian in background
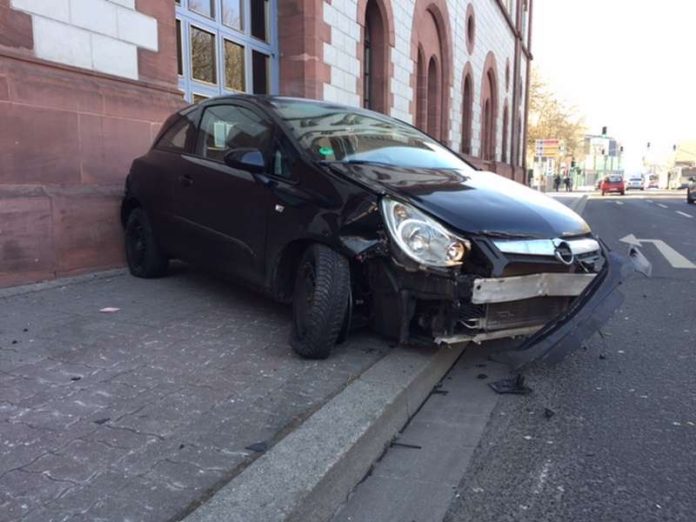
x: 556, y: 183
x: 566, y: 182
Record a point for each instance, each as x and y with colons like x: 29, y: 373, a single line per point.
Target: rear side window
x: 228, y: 127
x: 176, y: 137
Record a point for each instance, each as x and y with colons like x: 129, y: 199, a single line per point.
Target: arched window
x: 434, y: 99
x: 375, y: 58
x: 489, y: 110
x: 431, y: 54
x: 506, y: 116
x: 421, y: 91
x: 467, y: 111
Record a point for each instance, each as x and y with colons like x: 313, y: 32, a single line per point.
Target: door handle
x: 185, y: 180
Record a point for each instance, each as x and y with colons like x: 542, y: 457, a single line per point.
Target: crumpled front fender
x: 588, y: 313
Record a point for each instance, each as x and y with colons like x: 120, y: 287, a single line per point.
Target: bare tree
x: 551, y: 118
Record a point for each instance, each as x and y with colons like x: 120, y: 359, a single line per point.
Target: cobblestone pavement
x: 140, y: 413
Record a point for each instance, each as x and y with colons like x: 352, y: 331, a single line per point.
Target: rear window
x: 176, y: 137
x: 615, y: 179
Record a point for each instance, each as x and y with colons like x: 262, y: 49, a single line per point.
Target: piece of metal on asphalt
x: 514, y: 385
x: 673, y: 257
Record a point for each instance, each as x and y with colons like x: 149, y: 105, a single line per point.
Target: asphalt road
x: 621, y: 444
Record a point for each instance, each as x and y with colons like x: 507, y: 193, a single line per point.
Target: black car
x: 691, y: 191
x: 357, y: 218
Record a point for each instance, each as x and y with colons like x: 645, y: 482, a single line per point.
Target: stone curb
x: 309, y: 474
x: 61, y: 281
x: 579, y: 204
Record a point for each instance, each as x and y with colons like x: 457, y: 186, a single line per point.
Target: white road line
x: 661, y: 205
x: 619, y: 202
x: 684, y: 214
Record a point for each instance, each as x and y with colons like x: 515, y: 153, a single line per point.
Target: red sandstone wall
x: 67, y: 138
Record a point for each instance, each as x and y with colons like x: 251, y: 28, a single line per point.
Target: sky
x: 629, y: 65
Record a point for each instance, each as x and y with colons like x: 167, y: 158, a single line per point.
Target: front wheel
x: 320, y: 301
x: 144, y: 256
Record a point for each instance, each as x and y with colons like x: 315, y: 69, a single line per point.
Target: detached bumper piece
x: 585, y: 316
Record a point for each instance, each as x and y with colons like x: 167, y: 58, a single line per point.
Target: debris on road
x: 404, y: 445
x: 258, y: 447
x: 548, y: 413
x: 482, y: 376
x: 109, y: 310
x: 514, y: 385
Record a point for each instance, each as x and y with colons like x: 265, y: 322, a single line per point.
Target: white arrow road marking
x: 673, y: 257
x: 661, y: 205
x: 684, y: 214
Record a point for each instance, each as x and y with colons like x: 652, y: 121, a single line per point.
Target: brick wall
x: 80, y: 97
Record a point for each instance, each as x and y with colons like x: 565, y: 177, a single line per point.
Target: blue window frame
x: 227, y: 46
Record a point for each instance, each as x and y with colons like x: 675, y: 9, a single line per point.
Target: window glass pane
x: 234, y: 66
x: 227, y: 127
x: 232, y: 14
x: 179, y: 54
x: 260, y: 72
x: 203, y: 56
x: 259, y: 19
x: 204, y: 7
x: 175, y: 138
x: 335, y: 133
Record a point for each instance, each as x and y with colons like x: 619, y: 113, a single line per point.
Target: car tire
x: 688, y: 198
x: 623, y: 193
x: 602, y: 193
x: 320, y: 301
x: 144, y: 256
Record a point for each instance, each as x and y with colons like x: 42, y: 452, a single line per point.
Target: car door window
x: 229, y: 127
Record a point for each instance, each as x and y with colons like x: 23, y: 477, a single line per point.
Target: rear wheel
x: 320, y: 301
x: 689, y: 200
x: 144, y: 256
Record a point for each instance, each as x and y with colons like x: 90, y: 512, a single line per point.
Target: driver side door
x: 225, y: 209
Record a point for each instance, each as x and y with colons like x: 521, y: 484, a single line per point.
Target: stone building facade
x: 85, y: 85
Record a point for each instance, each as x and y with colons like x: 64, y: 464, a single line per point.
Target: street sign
x: 549, y: 148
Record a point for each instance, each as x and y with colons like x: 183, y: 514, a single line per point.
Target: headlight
x: 421, y: 238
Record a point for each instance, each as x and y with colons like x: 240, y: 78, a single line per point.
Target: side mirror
x: 250, y: 160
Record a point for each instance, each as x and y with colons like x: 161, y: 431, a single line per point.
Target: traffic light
x: 604, y: 131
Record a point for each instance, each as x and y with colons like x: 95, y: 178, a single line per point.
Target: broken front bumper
x: 590, y: 301
x: 585, y: 316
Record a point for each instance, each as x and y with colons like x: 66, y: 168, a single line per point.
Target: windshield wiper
x: 355, y: 162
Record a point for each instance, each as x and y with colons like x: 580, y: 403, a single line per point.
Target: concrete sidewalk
x: 144, y: 412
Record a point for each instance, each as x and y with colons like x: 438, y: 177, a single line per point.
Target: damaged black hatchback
x: 358, y: 218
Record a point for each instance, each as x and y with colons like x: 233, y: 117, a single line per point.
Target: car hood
x: 473, y: 202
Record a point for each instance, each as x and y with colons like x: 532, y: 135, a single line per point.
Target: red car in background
x: 613, y: 184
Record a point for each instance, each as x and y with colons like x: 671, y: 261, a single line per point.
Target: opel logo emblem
x: 563, y: 253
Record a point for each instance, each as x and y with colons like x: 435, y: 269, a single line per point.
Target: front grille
x: 529, y: 312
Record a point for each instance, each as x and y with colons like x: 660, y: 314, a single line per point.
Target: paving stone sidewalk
x: 139, y: 414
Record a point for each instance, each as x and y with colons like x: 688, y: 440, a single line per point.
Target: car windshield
x: 337, y: 133
x: 615, y: 179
